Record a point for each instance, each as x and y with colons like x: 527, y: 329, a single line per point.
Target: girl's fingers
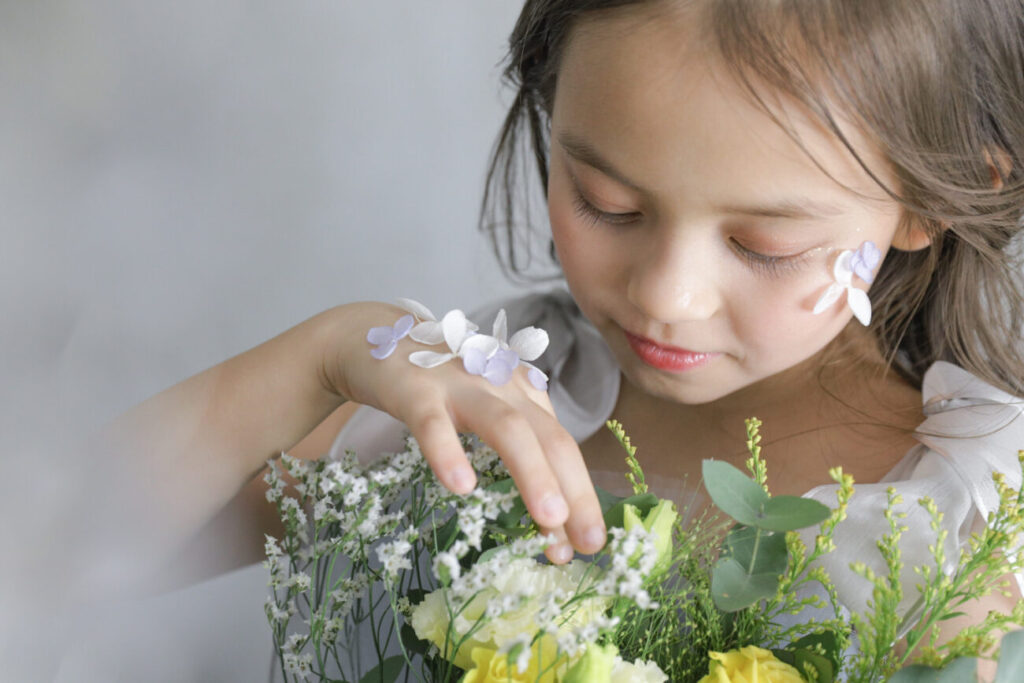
x: 559, y: 552
x: 585, y: 526
x: 432, y: 426
x: 507, y: 430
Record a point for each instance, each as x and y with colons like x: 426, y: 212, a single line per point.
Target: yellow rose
x: 749, y: 665
x: 491, y: 666
x: 660, y: 520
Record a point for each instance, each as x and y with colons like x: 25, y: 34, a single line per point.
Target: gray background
x: 181, y: 181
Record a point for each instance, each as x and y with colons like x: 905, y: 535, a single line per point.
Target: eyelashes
x: 762, y: 264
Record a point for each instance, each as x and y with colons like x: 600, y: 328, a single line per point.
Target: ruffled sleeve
x: 971, y: 431
x: 583, y: 377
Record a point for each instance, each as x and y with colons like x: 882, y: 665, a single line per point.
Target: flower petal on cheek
x: 830, y: 296
x: 860, y: 304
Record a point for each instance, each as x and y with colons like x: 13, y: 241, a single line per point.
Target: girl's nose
x: 672, y: 280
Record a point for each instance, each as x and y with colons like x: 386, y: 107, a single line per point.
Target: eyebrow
x: 795, y: 208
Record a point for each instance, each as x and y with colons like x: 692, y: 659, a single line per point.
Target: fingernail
x: 595, y: 536
x: 462, y: 479
x: 560, y: 554
x: 555, y: 509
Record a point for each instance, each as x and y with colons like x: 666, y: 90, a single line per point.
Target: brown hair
x: 938, y: 84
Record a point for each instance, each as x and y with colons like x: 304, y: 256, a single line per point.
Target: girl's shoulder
x: 971, y: 431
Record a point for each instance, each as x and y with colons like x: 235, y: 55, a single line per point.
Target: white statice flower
x: 271, y: 547
x: 450, y: 563
x: 289, y: 503
x: 274, y: 612
x: 395, y: 555
x: 299, y: 580
x: 295, y: 466
x: 300, y: 666
x: 522, y: 642
x: 295, y: 643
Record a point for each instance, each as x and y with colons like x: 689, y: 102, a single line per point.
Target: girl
x: 728, y: 184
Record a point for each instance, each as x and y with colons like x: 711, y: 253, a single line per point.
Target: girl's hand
x: 515, y: 419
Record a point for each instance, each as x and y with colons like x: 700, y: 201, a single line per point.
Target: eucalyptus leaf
x: 757, y: 551
x: 1011, y: 658
x: 412, y: 643
x: 733, y: 492
x: 387, y: 671
x: 959, y: 670
x: 732, y: 589
x: 606, y: 499
x: 789, y: 513
x: 828, y: 642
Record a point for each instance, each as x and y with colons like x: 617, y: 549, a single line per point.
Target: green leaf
x: 733, y: 492
x: 828, y: 642
x: 387, y: 671
x: 641, y: 501
x: 757, y: 551
x: 799, y: 658
x: 446, y: 534
x: 959, y: 670
x: 789, y: 513
x: 732, y: 589
x: 1011, y: 658
x: 413, y: 644
x: 607, y: 500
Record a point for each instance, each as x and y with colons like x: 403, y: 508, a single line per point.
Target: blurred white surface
x: 181, y: 181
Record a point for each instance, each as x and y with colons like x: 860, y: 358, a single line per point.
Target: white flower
x: 455, y: 330
x: 429, y: 331
x: 857, y: 298
x: 640, y: 671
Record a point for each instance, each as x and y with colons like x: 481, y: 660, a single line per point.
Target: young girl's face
x: 684, y: 216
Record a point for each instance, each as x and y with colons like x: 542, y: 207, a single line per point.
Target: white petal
x: 429, y: 359
x: 484, y: 343
x: 842, y: 270
x: 417, y: 309
x: 830, y: 296
x: 529, y: 342
x: 429, y: 332
x: 860, y: 303
x: 455, y: 329
x: 500, y: 329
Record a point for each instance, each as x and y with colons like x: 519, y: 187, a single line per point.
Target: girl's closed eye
x: 772, y: 265
x: 592, y: 215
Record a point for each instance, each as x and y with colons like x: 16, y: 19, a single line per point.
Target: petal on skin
x: 498, y: 372
x: 455, y: 327
x: 830, y: 296
x: 501, y: 326
x: 537, y: 378
x: 870, y: 254
x: 403, y: 326
x: 429, y: 332
x: 529, y: 342
x: 429, y: 359
x: 484, y: 343
x: 842, y: 270
x: 506, y: 356
x: 380, y: 335
x: 417, y: 309
x: 384, y: 350
x: 474, y: 361
x: 860, y: 303
x: 863, y: 272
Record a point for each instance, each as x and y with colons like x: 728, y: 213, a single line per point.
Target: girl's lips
x: 667, y: 357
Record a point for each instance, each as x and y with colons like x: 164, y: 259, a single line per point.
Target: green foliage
x: 636, y: 473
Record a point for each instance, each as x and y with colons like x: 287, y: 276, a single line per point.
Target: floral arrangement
x: 383, y: 575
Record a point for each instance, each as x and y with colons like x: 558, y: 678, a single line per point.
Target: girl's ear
x: 911, y: 236
x: 999, y: 166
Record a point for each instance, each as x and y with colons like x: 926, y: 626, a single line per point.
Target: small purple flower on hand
x: 538, y: 379
x: 497, y: 369
x: 386, y: 338
x: 865, y: 260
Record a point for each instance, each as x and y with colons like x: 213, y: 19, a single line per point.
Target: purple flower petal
x: 384, y: 350
x: 403, y: 326
x: 474, y: 361
x: 537, y: 379
x: 508, y: 357
x: 380, y: 335
x: 498, y: 371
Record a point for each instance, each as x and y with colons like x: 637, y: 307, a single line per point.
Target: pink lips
x: 668, y: 358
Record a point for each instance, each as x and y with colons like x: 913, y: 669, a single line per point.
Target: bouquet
x: 383, y: 575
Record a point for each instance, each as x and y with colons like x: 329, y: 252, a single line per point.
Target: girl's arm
x: 177, y: 459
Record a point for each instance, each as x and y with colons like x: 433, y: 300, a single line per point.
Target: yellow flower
x: 491, y: 666
x: 749, y: 665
